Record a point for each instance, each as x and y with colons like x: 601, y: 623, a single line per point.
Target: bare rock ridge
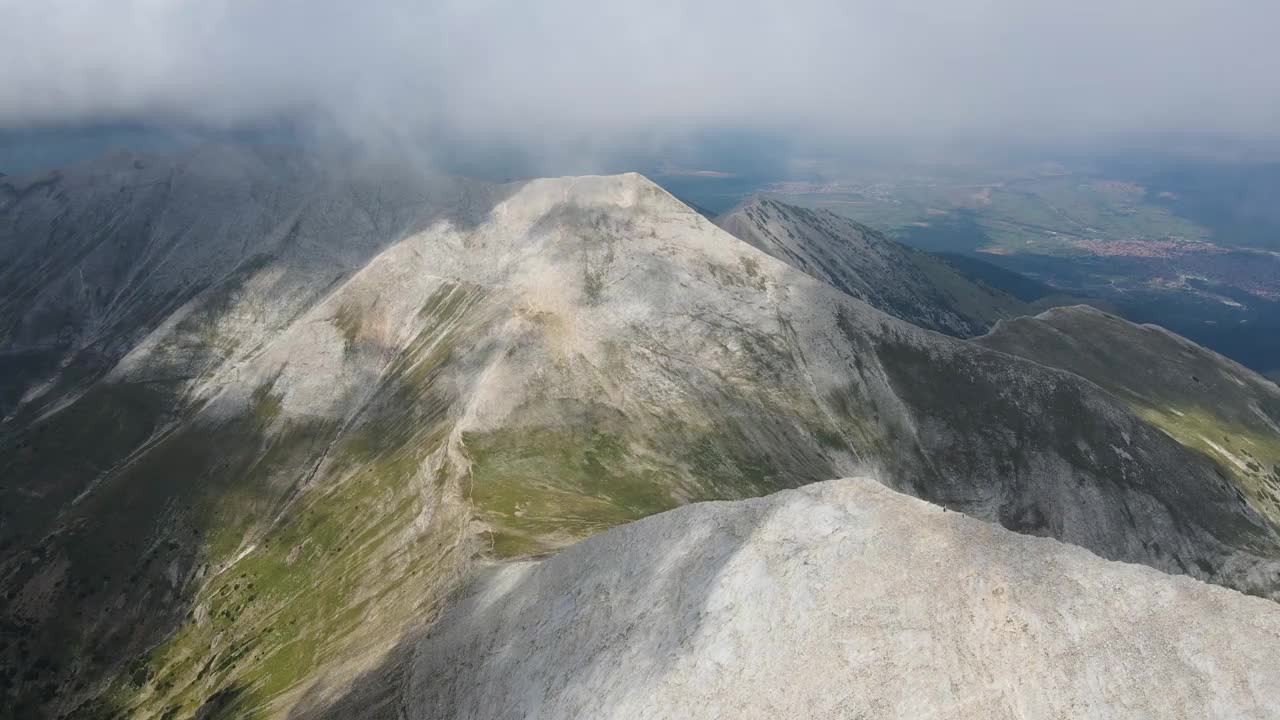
x: 902, y: 281
x: 264, y: 415
x: 99, y: 256
x: 842, y: 599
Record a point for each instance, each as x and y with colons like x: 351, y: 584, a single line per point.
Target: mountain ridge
x: 276, y: 483
x: 902, y: 281
x: 1206, y: 401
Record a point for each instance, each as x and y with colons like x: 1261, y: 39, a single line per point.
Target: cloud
x: 577, y: 75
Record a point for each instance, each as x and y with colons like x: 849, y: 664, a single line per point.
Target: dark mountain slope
x: 1207, y: 402
x: 902, y: 281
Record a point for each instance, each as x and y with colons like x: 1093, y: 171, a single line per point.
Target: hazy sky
x: 576, y: 74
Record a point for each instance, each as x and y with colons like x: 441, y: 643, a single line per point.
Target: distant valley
x: 1157, y: 243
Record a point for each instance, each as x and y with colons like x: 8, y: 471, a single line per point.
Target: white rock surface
x: 843, y: 599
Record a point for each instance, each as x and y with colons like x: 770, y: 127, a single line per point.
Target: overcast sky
x: 584, y: 74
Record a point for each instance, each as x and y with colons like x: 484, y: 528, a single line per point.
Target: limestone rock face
x: 843, y: 599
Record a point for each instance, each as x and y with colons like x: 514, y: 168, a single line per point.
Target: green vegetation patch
x: 268, y: 622
x: 539, y: 487
x: 1250, y: 458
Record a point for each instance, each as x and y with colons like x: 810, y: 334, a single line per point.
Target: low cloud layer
x: 580, y: 74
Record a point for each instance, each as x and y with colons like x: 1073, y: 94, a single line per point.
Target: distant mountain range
x: 265, y: 417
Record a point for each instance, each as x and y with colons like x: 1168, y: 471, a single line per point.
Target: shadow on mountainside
x: 119, y: 507
x: 98, y: 256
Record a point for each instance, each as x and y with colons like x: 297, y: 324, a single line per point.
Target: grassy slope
x: 1203, y: 400
x: 252, y: 550
x: 312, y: 596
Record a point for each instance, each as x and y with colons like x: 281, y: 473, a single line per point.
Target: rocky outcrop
x: 842, y: 600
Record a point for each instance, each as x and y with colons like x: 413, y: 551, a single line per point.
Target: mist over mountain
x: 575, y: 81
x: 451, y: 359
